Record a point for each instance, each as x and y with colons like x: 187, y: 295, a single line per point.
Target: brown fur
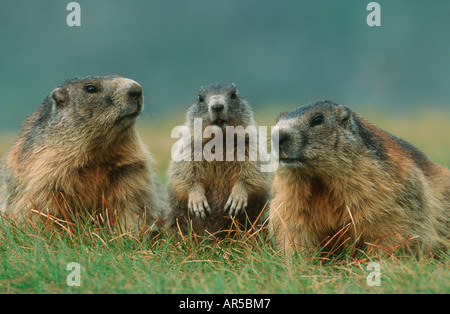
x: 79, y: 151
x: 345, y: 171
x: 211, y: 184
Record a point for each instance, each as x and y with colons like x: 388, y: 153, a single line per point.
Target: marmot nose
x: 135, y: 91
x: 283, y: 138
x: 217, y: 108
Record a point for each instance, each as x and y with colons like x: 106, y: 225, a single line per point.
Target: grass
x: 34, y: 258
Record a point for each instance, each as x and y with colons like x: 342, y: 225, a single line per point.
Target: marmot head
x: 317, y: 137
x: 220, y: 105
x: 96, y: 103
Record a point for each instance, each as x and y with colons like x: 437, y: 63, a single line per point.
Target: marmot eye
x: 317, y: 120
x: 201, y: 98
x: 91, y: 89
x: 233, y: 95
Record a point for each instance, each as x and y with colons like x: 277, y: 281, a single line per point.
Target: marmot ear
x: 60, y: 96
x: 343, y: 114
x: 281, y: 116
x: 235, y: 88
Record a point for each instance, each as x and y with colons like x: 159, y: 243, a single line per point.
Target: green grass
x: 33, y: 259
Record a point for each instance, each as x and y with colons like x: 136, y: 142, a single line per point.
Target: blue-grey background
x: 278, y: 52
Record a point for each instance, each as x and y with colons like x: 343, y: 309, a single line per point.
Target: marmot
x: 337, y: 169
x: 80, y: 151
x: 204, y: 194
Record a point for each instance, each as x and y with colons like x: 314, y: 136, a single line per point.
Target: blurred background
x: 281, y: 54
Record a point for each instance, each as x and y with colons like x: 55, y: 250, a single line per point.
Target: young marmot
x: 80, y: 151
x: 337, y: 169
x: 204, y: 194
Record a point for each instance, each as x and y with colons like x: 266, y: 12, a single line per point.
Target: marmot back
x: 205, y: 194
x: 336, y: 168
x: 80, y: 151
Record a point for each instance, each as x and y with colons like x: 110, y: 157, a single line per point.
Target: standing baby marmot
x: 204, y: 194
x: 337, y: 169
x: 80, y: 152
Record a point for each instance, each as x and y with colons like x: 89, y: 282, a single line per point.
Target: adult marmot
x: 337, y: 169
x: 204, y: 193
x: 80, y: 151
